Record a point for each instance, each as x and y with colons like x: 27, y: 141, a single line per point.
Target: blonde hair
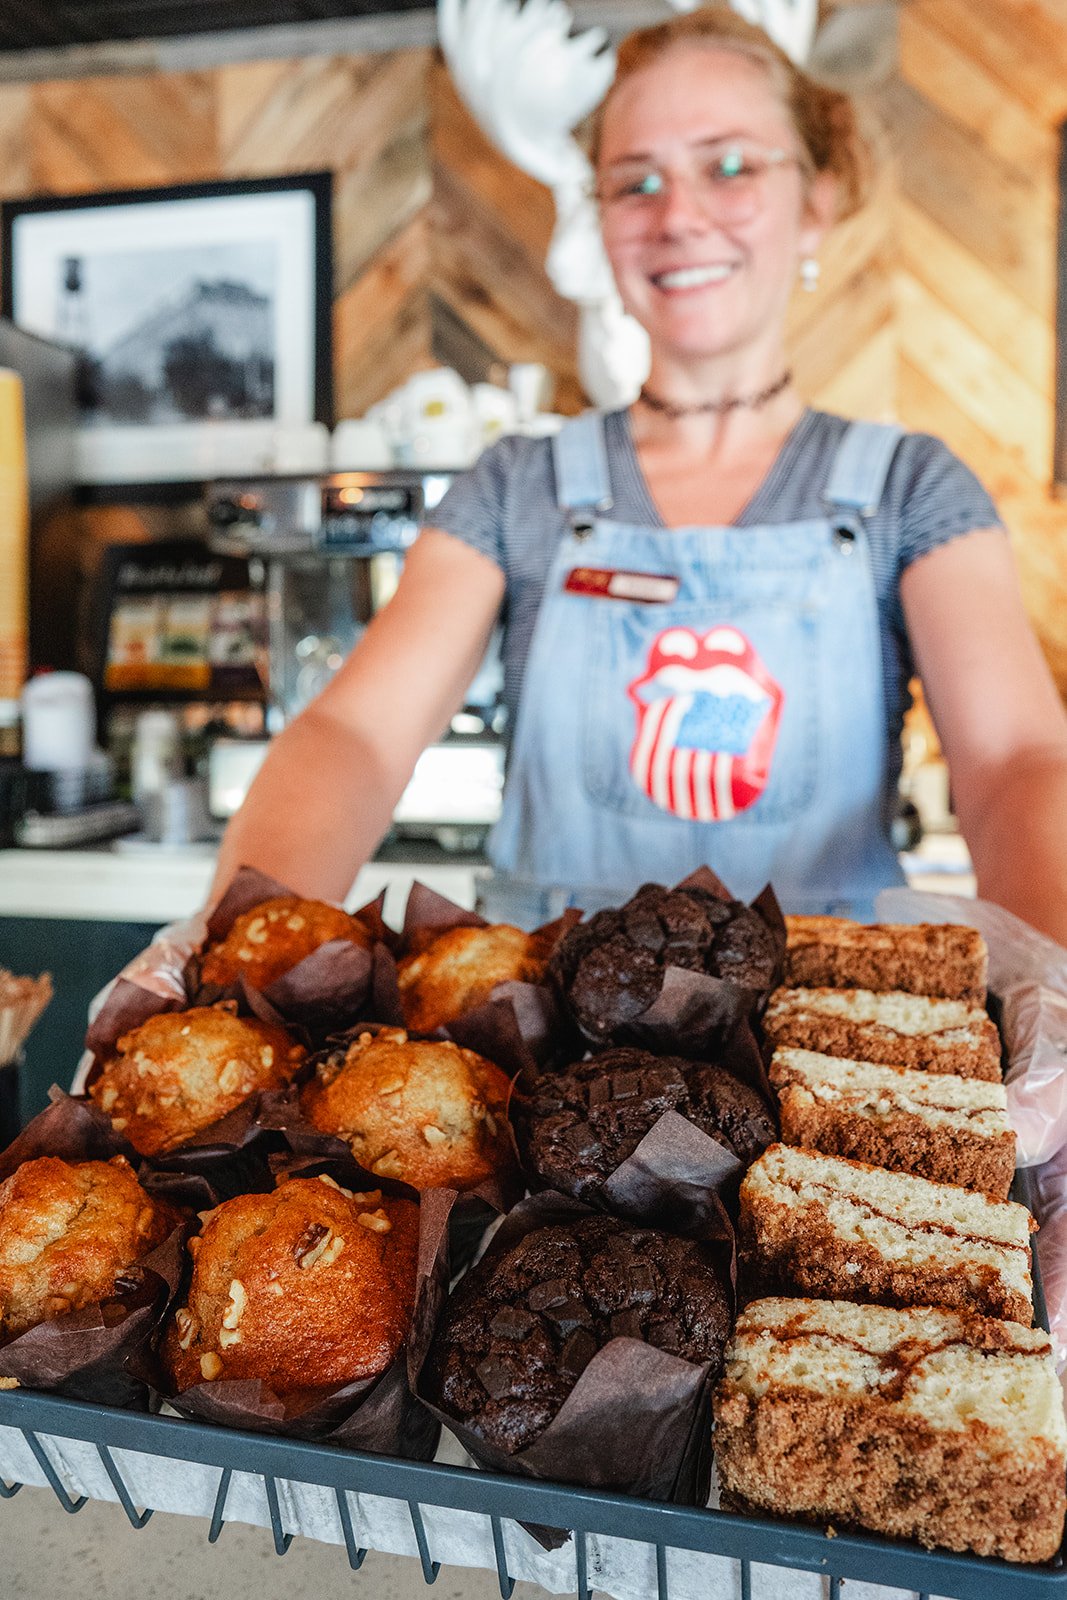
x: 824, y: 118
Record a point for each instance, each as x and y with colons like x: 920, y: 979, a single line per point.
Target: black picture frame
x: 292, y: 363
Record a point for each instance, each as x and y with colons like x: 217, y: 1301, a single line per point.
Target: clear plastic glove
x: 1050, y: 1208
x: 1029, y: 973
x: 158, y: 967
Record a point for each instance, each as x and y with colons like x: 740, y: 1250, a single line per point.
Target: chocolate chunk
x: 511, y: 1323
x: 624, y: 1085
x: 572, y: 1314
x: 497, y: 1376
x: 643, y: 1285
x: 626, y: 1325
x: 544, y: 1295
x: 577, y: 1352
x: 665, y: 1334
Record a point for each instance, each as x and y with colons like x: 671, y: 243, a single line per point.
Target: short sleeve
x: 937, y: 497
x: 474, y: 507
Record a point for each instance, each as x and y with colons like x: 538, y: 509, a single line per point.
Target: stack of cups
x: 14, y: 543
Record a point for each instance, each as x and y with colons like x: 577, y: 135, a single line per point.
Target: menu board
x: 180, y: 620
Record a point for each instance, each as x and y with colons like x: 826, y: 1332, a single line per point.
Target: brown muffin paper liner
x: 678, y: 1178
x: 75, y: 1129
x: 379, y: 1414
x: 519, y: 1026
x: 230, y: 1155
x: 638, y: 1420
x: 93, y: 1354
x: 326, y: 990
x: 695, y: 1012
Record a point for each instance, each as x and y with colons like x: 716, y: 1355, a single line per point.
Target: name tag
x: 603, y: 583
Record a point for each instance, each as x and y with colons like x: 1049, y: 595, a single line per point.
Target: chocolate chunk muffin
x: 306, y: 1288
x: 182, y: 1070
x: 577, y: 1126
x: 267, y: 941
x: 610, y: 969
x: 453, y: 971
x: 522, y: 1327
x: 71, y: 1233
x: 421, y: 1110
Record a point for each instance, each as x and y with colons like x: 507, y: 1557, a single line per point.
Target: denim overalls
x: 701, y: 695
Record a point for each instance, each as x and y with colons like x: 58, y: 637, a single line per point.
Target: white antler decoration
x: 529, y: 80
x: 790, y: 23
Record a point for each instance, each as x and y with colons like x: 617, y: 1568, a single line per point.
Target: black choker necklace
x: 718, y: 408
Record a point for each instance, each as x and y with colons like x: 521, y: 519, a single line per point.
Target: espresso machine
x: 330, y: 549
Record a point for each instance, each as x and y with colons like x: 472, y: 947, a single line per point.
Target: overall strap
x: 861, y: 466
x: 580, y: 457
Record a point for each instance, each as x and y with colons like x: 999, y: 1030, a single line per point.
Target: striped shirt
x: 505, y: 506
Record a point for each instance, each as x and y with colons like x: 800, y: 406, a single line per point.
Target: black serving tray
x: 898, y: 1564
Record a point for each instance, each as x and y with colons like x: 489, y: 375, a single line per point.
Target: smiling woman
x: 714, y: 599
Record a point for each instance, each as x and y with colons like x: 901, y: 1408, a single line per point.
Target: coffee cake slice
x: 935, y: 1125
x: 819, y: 1225
x: 928, y: 1424
x: 901, y: 1030
x: 930, y: 958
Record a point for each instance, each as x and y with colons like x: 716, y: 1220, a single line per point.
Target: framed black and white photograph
x: 201, y: 312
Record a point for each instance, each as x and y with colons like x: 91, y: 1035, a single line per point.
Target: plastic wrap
x: 1028, y: 974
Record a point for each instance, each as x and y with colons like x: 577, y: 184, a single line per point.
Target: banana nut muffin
x: 610, y: 969
x: 421, y: 1110
x: 70, y: 1232
x: 182, y: 1070
x: 523, y: 1325
x: 450, y: 972
x: 578, y: 1125
x: 266, y: 941
x: 306, y: 1288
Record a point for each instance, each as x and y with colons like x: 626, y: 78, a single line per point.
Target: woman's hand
x: 1000, y: 720
x: 325, y: 794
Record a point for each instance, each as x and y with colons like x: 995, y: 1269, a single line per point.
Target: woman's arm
x: 1000, y: 720
x: 323, y: 798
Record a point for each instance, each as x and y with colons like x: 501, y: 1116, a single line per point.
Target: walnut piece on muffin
x: 522, y: 1326
x: 70, y: 1231
x: 422, y: 1110
x: 306, y: 1288
x: 271, y: 938
x: 453, y: 971
x: 182, y: 1070
x: 578, y: 1125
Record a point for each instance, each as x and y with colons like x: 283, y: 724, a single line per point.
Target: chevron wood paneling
x: 490, y: 228
x: 974, y: 119
x: 122, y: 132
x: 14, y: 140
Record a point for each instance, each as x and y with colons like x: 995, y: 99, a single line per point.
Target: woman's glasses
x: 728, y: 179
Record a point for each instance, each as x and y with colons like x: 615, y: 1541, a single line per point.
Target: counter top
x: 133, y: 882
x: 125, y: 882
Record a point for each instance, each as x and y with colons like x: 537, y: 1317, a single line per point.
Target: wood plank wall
x: 974, y: 118
x: 936, y: 304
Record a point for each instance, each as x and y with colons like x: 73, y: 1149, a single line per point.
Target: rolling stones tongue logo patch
x: 707, y: 723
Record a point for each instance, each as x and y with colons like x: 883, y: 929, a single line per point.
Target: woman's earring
x: 809, y: 273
